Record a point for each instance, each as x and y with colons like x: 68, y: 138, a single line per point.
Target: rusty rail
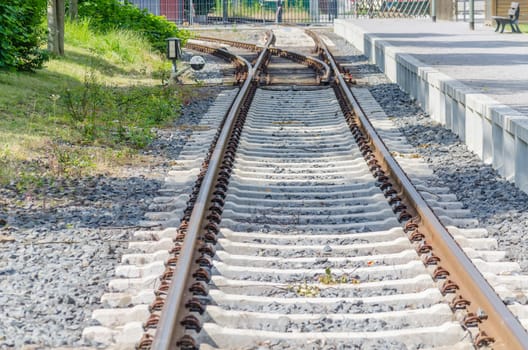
x: 322, y: 69
x: 224, y: 54
x: 169, y: 331
x: 241, y: 65
x: 242, y: 45
x: 485, y: 311
x: 497, y: 326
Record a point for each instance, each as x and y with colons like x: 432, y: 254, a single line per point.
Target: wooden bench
x: 512, y: 19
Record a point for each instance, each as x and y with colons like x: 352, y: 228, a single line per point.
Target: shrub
x: 21, y: 34
x: 112, y: 14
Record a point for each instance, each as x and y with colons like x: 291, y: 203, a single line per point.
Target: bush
x: 21, y: 34
x: 112, y: 14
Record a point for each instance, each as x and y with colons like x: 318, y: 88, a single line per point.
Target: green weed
x: 329, y: 278
x: 305, y: 290
x: 70, y: 161
x: 111, y: 115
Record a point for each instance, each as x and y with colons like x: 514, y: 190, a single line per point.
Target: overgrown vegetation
x: 112, y: 115
x: 85, y: 113
x: 21, y: 34
x: 108, y: 15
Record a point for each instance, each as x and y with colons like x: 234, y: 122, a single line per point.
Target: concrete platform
x: 473, y: 82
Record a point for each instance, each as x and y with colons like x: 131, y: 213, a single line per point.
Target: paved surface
x: 492, y: 63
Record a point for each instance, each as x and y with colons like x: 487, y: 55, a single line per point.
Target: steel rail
x: 312, y: 62
x: 218, y: 52
x: 498, y: 322
x: 239, y: 44
x: 316, y: 64
x: 166, y: 337
x: 241, y: 65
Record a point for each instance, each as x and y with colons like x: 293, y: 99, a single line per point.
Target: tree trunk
x: 74, y: 9
x: 53, y: 43
x: 60, y: 16
x: 56, y: 27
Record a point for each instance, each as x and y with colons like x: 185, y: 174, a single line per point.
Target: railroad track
x: 303, y: 232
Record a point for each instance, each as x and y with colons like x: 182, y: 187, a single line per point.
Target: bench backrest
x: 514, y: 10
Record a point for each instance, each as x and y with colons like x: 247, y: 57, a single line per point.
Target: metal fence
x: 391, y: 9
x: 283, y: 11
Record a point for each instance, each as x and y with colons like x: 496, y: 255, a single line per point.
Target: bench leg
x: 498, y: 25
x: 503, y: 26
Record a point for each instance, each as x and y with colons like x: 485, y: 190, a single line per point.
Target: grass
x: 85, y: 113
x: 523, y: 27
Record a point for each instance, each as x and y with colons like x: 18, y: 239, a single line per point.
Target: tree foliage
x: 22, y: 34
x: 110, y: 14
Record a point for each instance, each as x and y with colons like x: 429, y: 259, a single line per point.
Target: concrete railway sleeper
x: 303, y: 236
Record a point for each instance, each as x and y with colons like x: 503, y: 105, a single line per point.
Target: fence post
x: 472, y: 14
x: 314, y: 11
x: 191, y: 12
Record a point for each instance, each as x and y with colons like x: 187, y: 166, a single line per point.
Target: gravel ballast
x: 499, y: 206
x: 56, y: 257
